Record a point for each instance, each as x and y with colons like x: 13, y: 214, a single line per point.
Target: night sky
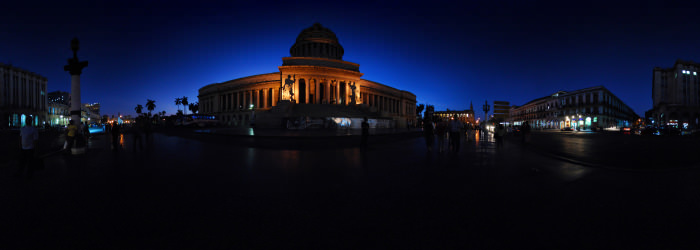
x: 448, y: 54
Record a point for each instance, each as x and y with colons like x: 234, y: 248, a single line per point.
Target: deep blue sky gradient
x: 448, y: 54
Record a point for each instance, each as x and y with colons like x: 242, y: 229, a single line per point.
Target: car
x: 567, y: 129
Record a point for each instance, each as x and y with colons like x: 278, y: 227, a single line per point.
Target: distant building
x: 59, y: 97
x: 676, y: 95
x: 92, y: 112
x: 22, y: 97
x: 585, y: 109
x: 501, y: 111
x: 465, y: 116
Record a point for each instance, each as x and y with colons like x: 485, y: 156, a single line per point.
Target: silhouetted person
x: 116, y: 131
x: 455, y: 127
x: 441, y: 133
x: 429, y: 134
x: 526, y: 132
x: 86, y: 132
x: 365, y: 133
x: 499, y: 134
x: 137, y: 130
x: 71, y: 132
x: 29, y: 137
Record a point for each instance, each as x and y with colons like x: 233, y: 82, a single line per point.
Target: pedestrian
x: 29, y: 137
x: 429, y: 134
x: 136, y: 131
x: 526, y: 132
x: 441, y: 133
x: 71, y: 131
x: 116, y: 131
x: 365, y: 133
x: 455, y: 127
x: 86, y: 132
x: 499, y: 134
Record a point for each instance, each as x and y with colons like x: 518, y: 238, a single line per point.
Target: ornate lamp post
x: 75, y: 68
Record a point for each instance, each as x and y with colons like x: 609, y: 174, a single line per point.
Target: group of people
x: 443, y: 129
x: 452, y: 130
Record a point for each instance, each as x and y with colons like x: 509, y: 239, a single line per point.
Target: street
x: 203, y: 191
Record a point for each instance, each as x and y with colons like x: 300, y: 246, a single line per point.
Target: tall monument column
x: 75, y: 68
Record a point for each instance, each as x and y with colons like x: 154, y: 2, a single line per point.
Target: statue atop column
x: 288, y: 88
x: 352, y: 94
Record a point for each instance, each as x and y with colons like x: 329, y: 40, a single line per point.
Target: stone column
x: 337, y: 92
x: 265, y: 90
x: 328, y: 91
x: 274, y: 96
x: 296, y: 90
x: 75, y: 68
x: 317, y: 92
x: 307, y: 89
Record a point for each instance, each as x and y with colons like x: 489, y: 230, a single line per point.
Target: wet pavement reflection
x: 217, y: 192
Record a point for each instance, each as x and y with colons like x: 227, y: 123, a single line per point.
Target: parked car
x: 567, y: 129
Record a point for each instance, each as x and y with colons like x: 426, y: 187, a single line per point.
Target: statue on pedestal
x: 288, y: 88
x: 352, y: 95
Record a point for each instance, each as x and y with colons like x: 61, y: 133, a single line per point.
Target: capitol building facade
x: 315, y: 85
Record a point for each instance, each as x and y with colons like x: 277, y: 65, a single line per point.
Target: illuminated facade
x: 464, y: 116
x: 585, y: 109
x: 676, y: 95
x: 22, y: 97
x: 313, y: 82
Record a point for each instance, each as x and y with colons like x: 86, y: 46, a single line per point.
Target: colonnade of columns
x: 259, y: 98
x: 325, y: 91
x: 387, y: 104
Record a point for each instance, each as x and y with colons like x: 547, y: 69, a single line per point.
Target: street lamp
x: 486, y: 110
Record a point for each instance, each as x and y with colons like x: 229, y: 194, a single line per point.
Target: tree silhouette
x: 194, y: 107
x: 138, y: 109
x: 184, y: 103
x: 150, y: 105
x: 178, y: 101
x: 419, y: 109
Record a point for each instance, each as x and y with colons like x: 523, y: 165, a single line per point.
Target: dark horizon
x: 448, y: 55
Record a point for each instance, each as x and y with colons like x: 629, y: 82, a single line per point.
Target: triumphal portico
x: 314, y: 82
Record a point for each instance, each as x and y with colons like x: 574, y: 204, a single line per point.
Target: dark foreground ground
x: 208, y: 191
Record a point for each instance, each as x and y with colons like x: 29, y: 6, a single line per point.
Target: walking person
x: 365, y: 133
x: 116, y: 131
x: 429, y: 134
x: 441, y: 133
x: 137, y: 130
x: 499, y: 134
x: 71, y: 132
x: 455, y: 127
x: 29, y: 137
x: 526, y: 132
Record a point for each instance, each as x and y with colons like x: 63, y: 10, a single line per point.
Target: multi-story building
x: 22, y: 97
x: 59, y: 108
x: 676, y: 95
x: 501, y: 110
x: 585, y: 109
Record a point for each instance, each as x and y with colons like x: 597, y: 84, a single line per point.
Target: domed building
x: 314, y: 85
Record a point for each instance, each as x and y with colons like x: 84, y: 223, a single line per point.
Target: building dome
x: 317, y: 41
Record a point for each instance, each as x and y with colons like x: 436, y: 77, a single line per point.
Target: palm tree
x: 194, y: 107
x: 162, y: 113
x: 184, y: 103
x: 150, y: 105
x: 138, y: 109
x: 178, y: 101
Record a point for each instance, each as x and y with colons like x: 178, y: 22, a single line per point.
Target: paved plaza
x: 208, y: 190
